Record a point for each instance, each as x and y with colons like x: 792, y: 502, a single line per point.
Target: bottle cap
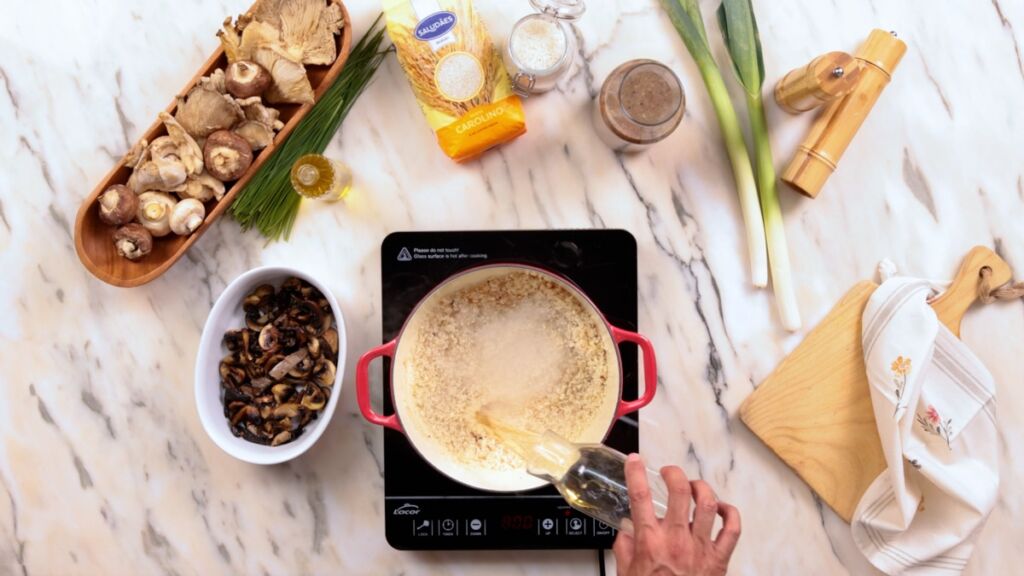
x: 563, y: 9
x: 883, y: 50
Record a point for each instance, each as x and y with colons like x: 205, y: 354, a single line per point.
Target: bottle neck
x: 307, y: 174
x: 551, y: 457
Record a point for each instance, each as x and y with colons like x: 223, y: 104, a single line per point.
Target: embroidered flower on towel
x: 900, y: 368
x: 932, y: 423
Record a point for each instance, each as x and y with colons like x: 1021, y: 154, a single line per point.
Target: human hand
x: 674, y: 545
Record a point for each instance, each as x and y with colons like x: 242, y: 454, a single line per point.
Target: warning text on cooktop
x: 409, y: 254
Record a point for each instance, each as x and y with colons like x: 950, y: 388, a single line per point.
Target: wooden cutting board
x: 814, y: 411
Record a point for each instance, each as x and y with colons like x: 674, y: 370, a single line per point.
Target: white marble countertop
x: 104, y: 466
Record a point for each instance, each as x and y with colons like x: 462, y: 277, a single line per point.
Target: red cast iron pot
x: 408, y: 421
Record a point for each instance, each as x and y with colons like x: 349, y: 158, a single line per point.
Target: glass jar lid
x: 563, y: 9
x: 650, y: 94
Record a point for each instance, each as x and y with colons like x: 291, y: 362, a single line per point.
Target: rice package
x: 456, y: 73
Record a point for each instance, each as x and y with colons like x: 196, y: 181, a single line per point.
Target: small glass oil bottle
x: 591, y: 477
x: 317, y: 177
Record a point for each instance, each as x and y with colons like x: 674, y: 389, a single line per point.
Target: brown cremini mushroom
x: 133, y: 241
x: 227, y: 155
x: 245, y: 79
x: 118, y: 205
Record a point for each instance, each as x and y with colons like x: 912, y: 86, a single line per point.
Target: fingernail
x: 633, y: 457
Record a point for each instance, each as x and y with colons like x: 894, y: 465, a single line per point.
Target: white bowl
x: 227, y: 315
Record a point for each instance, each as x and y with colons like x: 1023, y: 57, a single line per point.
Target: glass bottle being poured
x: 591, y: 477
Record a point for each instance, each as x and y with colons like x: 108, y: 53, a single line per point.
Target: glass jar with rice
x: 541, y: 46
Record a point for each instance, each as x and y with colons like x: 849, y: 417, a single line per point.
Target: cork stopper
x: 818, y: 155
x: 826, y: 78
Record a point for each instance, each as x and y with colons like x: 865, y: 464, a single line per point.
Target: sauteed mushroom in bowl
x: 268, y: 372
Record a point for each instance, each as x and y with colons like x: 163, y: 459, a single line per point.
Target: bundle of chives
x: 268, y: 202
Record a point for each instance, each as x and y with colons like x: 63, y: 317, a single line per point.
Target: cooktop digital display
x: 424, y: 509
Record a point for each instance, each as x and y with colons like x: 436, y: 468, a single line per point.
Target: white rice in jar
x: 538, y: 43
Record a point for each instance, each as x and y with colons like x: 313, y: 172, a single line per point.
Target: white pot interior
x: 417, y: 428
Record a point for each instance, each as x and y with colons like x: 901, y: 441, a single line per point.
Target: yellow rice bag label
x: 456, y: 73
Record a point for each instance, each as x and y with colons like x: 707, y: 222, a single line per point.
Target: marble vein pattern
x: 104, y: 466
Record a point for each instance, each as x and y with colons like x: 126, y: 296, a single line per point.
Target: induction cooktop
x: 424, y: 509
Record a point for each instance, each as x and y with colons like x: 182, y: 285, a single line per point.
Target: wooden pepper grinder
x: 825, y: 79
x: 817, y: 156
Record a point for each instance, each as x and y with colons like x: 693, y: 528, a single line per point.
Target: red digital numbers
x: 517, y: 522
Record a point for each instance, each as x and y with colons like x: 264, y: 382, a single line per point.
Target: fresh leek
x: 686, y: 17
x: 739, y: 29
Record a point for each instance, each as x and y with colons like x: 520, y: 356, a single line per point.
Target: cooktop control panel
x: 463, y: 524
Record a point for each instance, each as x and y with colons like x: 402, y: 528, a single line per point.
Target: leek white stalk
x: 686, y: 17
x: 739, y: 28
x: 775, y: 230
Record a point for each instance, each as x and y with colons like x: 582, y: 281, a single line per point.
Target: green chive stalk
x: 686, y: 17
x: 268, y: 202
x: 739, y: 29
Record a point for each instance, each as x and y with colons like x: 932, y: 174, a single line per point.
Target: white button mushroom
x: 186, y: 216
x: 155, y: 212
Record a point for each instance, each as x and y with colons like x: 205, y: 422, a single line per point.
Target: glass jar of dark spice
x: 640, y: 103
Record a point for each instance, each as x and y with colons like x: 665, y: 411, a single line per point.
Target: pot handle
x: 363, y: 386
x: 650, y: 371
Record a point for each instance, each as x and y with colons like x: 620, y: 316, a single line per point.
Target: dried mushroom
x: 307, y: 27
x: 227, y: 155
x: 216, y: 81
x: 166, y: 162
x: 189, y: 152
x: 256, y: 134
x: 259, y: 42
x: 290, y: 83
x: 204, y: 111
x: 260, y: 125
x: 203, y: 187
x: 245, y: 79
x: 280, y: 368
x: 134, y: 156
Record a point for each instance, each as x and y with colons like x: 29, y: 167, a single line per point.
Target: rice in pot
x: 520, y: 340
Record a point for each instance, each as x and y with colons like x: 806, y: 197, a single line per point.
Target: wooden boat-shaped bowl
x: 94, y: 240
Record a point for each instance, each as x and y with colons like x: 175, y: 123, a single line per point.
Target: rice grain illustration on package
x: 456, y: 74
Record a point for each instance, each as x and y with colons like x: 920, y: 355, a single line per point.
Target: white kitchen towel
x: 934, y: 405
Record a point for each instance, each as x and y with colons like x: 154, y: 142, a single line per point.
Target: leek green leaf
x: 739, y: 29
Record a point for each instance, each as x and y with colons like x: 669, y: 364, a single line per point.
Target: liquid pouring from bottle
x: 591, y: 477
